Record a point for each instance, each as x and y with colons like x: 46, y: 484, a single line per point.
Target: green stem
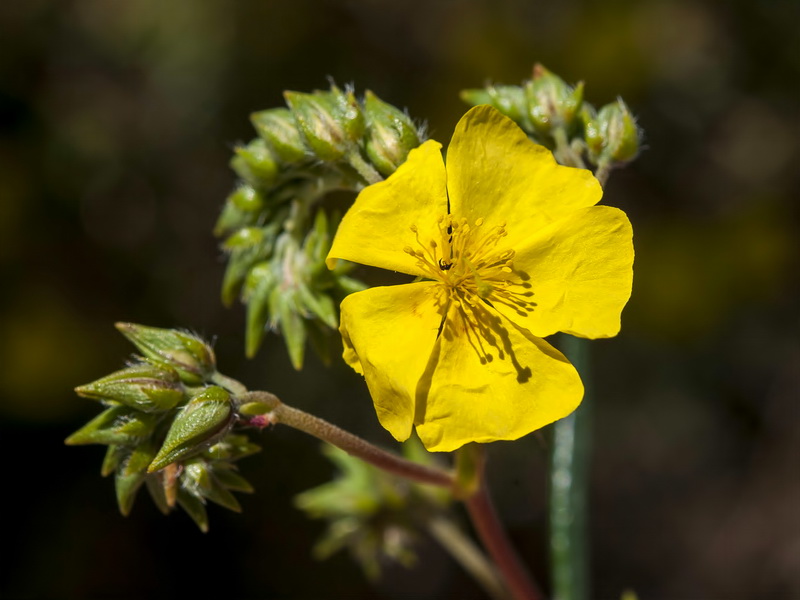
x: 464, y: 551
x: 366, y: 170
x: 569, y: 483
x: 564, y: 152
x: 487, y: 524
x: 279, y: 412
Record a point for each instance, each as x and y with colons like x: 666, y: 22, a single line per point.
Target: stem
x: 564, y: 152
x: 603, y: 171
x: 229, y: 383
x: 464, y: 551
x: 569, y: 483
x: 487, y: 524
x: 366, y: 170
x: 353, y: 445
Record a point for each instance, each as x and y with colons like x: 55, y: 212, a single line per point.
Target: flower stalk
x: 278, y: 412
x: 491, y: 532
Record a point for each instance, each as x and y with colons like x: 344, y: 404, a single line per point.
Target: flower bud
x: 205, y: 416
x: 551, y: 102
x: 131, y: 476
x: 232, y: 447
x: 243, y: 208
x: 508, y: 99
x: 391, y: 134
x: 277, y: 127
x: 255, y: 163
x: 199, y: 479
x: 330, y: 122
x: 612, y: 134
x: 146, y: 387
x: 190, y: 356
x: 117, y: 425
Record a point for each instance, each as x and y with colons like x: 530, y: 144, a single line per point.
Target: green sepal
x: 551, y: 102
x: 242, y: 208
x: 145, y: 386
x: 190, y: 356
x: 246, y: 247
x: 205, y: 416
x: 131, y: 475
x: 285, y: 313
x: 391, y: 134
x: 113, y: 458
x: 117, y: 425
x: 611, y: 134
x: 155, y: 487
x: 508, y: 99
x: 257, y: 289
x: 277, y: 126
x: 194, y: 507
x: 232, y: 480
x: 318, y: 119
x: 199, y: 478
x: 257, y: 164
x: 232, y: 447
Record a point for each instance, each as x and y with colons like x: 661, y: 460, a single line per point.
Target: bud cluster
x: 167, y: 426
x: 322, y: 142
x: 555, y: 114
x: 373, y: 515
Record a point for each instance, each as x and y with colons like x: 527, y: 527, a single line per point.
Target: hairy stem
x: 464, y: 551
x: 490, y: 530
x: 353, y: 445
x: 366, y: 170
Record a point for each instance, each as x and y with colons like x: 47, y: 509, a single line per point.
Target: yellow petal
x: 499, y: 385
x: 377, y: 227
x: 580, y: 270
x: 496, y: 173
x: 389, y: 334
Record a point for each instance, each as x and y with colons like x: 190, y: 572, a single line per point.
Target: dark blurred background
x: 118, y: 120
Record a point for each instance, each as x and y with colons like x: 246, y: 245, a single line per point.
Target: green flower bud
x: 258, y: 287
x: 391, y: 134
x: 508, y: 99
x: 612, y: 134
x: 242, y: 209
x: 118, y: 425
x: 232, y: 480
x: 277, y: 126
x: 198, y: 478
x: 194, y: 507
x: 155, y: 487
x: 330, y: 122
x: 204, y: 417
x: 113, y: 458
x: 131, y: 476
x: 190, y: 356
x: 551, y: 102
x: 286, y: 314
x: 146, y: 387
x: 232, y: 447
x: 255, y: 163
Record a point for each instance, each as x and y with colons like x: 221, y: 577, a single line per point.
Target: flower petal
x: 496, y: 173
x: 377, y: 227
x: 389, y: 334
x: 525, y: 385
x: 580, y: 270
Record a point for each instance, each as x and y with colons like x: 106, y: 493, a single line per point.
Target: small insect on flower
x: 508, y: 247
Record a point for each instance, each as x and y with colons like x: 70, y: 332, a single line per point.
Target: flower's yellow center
x: 475, y: 270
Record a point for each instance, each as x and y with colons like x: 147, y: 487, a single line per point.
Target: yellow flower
x: 508, y: 247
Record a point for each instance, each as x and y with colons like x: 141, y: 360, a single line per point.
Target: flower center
x: 472, y: 264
